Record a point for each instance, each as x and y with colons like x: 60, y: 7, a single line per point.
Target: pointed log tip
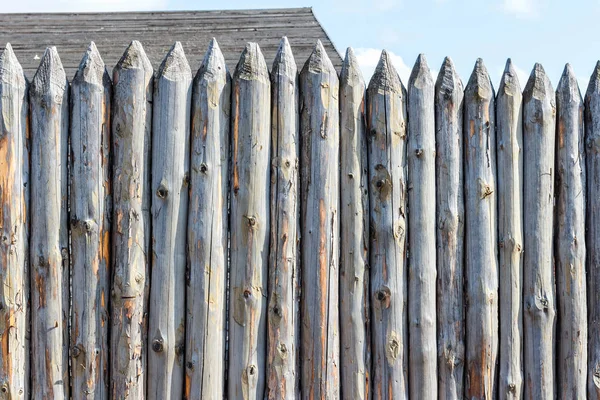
x: 50, y: 75
x: 284, y: 63
x: 480, y: 79
x: 509, y: 83
x: 568, y: 86
x: 385, y: 76
x: 539, y: 84
x: 213, y: 65
x: 448, y: 80
x: 175, y: 65
x: 420, y: 71
x: 10, y: 68
x: 351, y: 71
x: 135, y: 57
x: 594, y: 83
x: 252, y: 64
x: 91, y: 68
x: 319, y: 61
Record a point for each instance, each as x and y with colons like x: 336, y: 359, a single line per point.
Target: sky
x: 551, y: 32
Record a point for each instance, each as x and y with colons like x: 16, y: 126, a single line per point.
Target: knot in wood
x: 118, y: 127
x: 251, y: 370
x: 203, y: 168
x: 287, y: 163
x: 379, y: 184
x: 190, y: 365
x: 512, y: 387
x: 64, y: 254
x: 4, y: 388
x: 162, y: 192
x: 157, y: 345
x: 277, y: 311
x: 251, y: 221
x: 419, y: 152
x: 179, y: 349
x: 76, y: 351
x: 247, y: 294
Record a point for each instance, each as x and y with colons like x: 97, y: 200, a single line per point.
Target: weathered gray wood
x: 420, y: 155
x: 481, y: 244
x: 570, y: 240
x: 170, y: 185
x: 49, y: 245
x: 538, y: 200
x: 509, y: 146
x: 592, y: 158
x: 207, y: 229
x: 283, y: 309
x: 450, y: 217
x: 355, y: 356
x: 319, y: 166
x: 90, y: 207
x: 386, y: 124
x: 14, y: 202
x: 131, y: 135
x: 249, y: 219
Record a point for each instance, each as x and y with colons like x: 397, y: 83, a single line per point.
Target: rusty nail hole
x: 247, y: 293
x: 203, y: 168
x: 157, y: 345
x: 288, y: 163
x: 162, y: 192
x: 190, y: 365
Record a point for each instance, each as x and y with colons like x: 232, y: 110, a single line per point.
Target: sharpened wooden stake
x: 283, y: 309
x: 170, y: 186
x: 355, y: 337
x: 14, y: 228
x: 481, y: 241
x: 386, y: 124
x: 131, y: 135
x: 450, y: 219
x: 539, y: 309
x: 207, y: 229
x: 49, y: 244
x: 320, y: 198
x: 90, y: 208
x: 509, y: 146
x: 570, y: 242
x: 249, y: 219
x: 422, y: 271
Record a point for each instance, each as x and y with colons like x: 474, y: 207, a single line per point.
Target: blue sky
x: 551, y: 32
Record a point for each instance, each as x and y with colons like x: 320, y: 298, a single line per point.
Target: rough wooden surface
x: 170, y: 185
x: 131, y: 135
x: 249, y: 219
x: 386, y: 124
x: 569, y: 239
x: 319, y: 166
x: 90, y: 208
x: 592, y: 140
x: 207, y: 229
x: 450, y: 219
x: 355, y: 340
x: 509, y: 144
x: 49, y: 244
x: 283, y: 309
x: 539, y: 310
x: 14, y: 228
x: 481, y: 243
x: 420, y: 155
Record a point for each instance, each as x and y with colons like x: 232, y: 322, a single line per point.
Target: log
x: 131, y: 136
x: 170, y: 185
x: 49, y: 243
x: 283, y: 307
x: 509, y: 145
x: 249, y: 219
x: 90, y: 208
x: 538, y: 199
x: 422, y: 273
x: 569, y: 237
x: 386, y: 124
x: 592, y: 139
x: 355, y: 343
x: 319, y: 188
x: 481, y: 243
x: 207, y: 229
x: 14, y: 220
x: 450, y: 216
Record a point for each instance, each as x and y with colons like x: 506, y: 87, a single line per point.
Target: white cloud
x: 82, y: 5
x: 369, y: 57
x: 521, y: 8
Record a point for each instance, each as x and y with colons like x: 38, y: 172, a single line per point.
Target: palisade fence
x: 296, y: 235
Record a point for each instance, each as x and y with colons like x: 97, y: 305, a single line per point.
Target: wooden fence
x: 290, y: 235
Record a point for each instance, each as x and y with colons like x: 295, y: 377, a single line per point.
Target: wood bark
x: 49, y: 244
x: 450, y: 217
x: 249, y: 221
x: 569, y: 239
x: 355, y: 340
x: 284, y: 294
x: 386, y: 124
x: 539, y: 310
x: 131, y: 135
x: 90, y: 207
x: 509, y: 145
x: 481, y: 243
x: 170, y: 185
x: 319, y: 166
x: 592, y: 157
x: 422, y: 271
x: 14, y: 228
x: 207, y: 229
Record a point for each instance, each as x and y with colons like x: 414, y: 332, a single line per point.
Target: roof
x: 30, y: 34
